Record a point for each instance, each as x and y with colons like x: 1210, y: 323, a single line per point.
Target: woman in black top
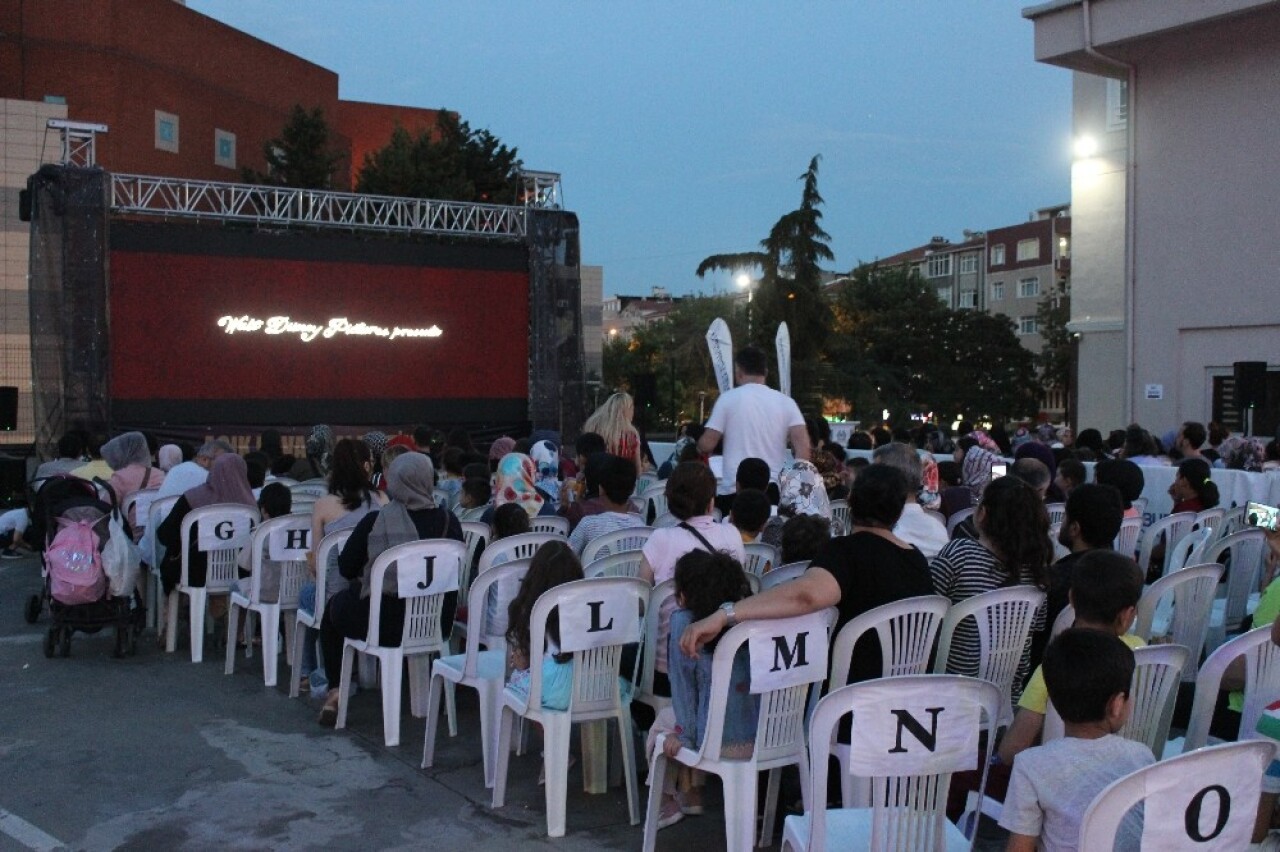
x: 412, y: 515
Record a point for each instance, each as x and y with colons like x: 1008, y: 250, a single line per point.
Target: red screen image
x: 167, y: 342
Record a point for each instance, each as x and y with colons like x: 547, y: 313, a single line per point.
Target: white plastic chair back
x: 759, y: 557
x: 1126, y: 542
x: 159, y: 510
x: 840, y: 521
x: 139, y: 518
x: 1210, y: 518
x: 643, y: 484
x: 796, y: 654
x: 658, y: 598
x: 1171, y: 528
x: 274, y: 539
x: 1141, y: 505
x: 1242, y: 553
x: 475, y: 536
x: 629, y: 538
x: 550, y: 524
x: 909, y: 800
x: 441, y: 497
x: 521, y: 546
x: 1179, y: 816
x: 1057, y: 512
x: 906, y: 630
x: 292, y: 572
x: 1232, y: 521
x: 1060, y: 550
x: 475, y: 513
x: 957, y: 519
x: 783, y: 573
x: 422, y: 626
x: 655, y: 500
x: 1004, y: 619
x: 1192, y: 590
x: 1261, y: 684
x: 305, y: 495
x: 1065, y: 619
x: 1157, y: 672
x: 1190, y: 550
x: 477, y: 609
x: 666, y: 519
x: 625, y: 563
x: 222, y: 570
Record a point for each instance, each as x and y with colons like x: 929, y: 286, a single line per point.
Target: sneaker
x: 670, y: 813
x: 10, y: 553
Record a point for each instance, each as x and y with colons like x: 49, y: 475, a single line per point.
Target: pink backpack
x: 74, y: 563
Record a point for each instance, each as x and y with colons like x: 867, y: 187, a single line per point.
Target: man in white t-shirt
x: 755, y: 421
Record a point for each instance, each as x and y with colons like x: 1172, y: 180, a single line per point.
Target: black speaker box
x: 1251, y: 383
x: 8, y: 409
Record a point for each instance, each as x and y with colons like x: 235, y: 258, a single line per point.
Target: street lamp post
x: 746, y: 282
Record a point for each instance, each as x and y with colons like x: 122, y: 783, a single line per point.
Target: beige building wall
x: 25, y: 144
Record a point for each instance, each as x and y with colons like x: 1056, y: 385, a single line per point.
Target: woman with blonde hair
x: 612, y: 421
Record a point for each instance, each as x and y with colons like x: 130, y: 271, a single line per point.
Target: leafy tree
x: 452, y: 162
x: 303, y: 155
x: 1054, y: 359
x: 790, y: 288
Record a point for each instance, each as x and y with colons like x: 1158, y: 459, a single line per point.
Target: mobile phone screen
x: 1262, y: 516
x: 998, y: 470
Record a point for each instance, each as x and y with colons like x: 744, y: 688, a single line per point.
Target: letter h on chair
x: 425, y: 572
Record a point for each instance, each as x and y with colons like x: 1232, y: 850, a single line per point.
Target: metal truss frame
x: 288, y: 206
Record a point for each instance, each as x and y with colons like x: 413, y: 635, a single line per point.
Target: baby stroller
x: 71, y: 524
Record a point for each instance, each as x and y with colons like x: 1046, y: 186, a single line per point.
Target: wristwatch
x: 729, y: 617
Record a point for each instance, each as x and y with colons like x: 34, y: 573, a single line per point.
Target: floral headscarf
x: 514, y: 483
x: 975, y: 470
x: 930, y: 495
x: 547, y: 461
x: 985, y: 441
x: 1240, y: 453
x: 801, y: 491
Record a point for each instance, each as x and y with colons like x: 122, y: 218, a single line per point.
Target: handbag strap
x: 699, y: 536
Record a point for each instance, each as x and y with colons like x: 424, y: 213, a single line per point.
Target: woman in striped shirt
x: 1012, y: 548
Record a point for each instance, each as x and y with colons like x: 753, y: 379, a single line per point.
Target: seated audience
x: 616, y: 486
x: 800, y: 493
x: 927, y: 533
x: 749, y: 514
x: 803, y: 538
x: 1192, y: 489
x: 70, y: 448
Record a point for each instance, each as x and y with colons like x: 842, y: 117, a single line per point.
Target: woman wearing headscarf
x: 547, y: 461
x: 130, y: 461
x: 228, y: 482
x: 515, y: 481
x: 800, y: 492
x: 319, y: 455
x: 499, y: 448
x: 377, y: 443
x: 412, y: 515
x: 169, y: 457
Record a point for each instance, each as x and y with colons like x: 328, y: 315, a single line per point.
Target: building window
x: 1064, y: 247
x: 1028, y: 325
x: 1117, y: 104
x: 997, y: 255
x: 944, y: 295
x: 1028, y: 288
x: 224, y: 149
x: 167, y: 131
x: 968, y: 298
x: 997, y: 291
x: 1028, y: 249
x: 939, y: 266
x: 968, y: 264
x: 57, y: 100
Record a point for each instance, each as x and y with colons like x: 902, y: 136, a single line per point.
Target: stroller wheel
x: 32, y: 611
x: 50, y: 639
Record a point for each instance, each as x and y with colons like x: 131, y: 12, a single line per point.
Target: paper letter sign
x: 1194, y: 812
x: 913, y: 732
x: 223, y: 533
x: 289, y: 545
x: 796, y: 656
x: 599, y: 621
x: 427, y: 574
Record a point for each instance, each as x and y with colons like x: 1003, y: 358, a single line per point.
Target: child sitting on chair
x: 704, y: 580
x: 1088, y: 673
x: 553, y: 564
x: 275, y: 501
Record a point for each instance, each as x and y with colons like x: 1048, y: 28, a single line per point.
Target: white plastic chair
x: 1003, y: 617
x: 1243, y: 554
x: 1192, y: 590
x: 422, y: 633
x: 221, y: 571
x: 475, y: 513
x: 909, y: 798
x: 1126, y: 542
x: 305, y: 494
x: 840, y: 520
x: 136, y: 508
x: 1065, y: 619
x: 550, y: 524
x: 957, y: 519
x: 1190, y: 550
x: 1057, y: 512
x: 780, y: 734
x: 596, y: 695
x: 1232, y: 521
x: 644, y: 483
x: 1177, y: 789
x: 1210, y: 518
x: 520, y: 546
x: 292, y: 575
x: 483, y: 671
x: 305, y: 620
x: 1172, y: 528
x: 1261, y: 685
x: 624, y: 563
x: 152, y: 555
x: 1060, y: 550
x: 759, y: 556
x: 666, y: 519
x: 783, y: 573
x: 906, y: 630
x: 475, y: 535
x: 658, y: 597
x: 654, y: 499
x: 628, y: 538
x: 1141, y: 505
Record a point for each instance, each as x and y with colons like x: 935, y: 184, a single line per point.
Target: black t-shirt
x: 871, y: 572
